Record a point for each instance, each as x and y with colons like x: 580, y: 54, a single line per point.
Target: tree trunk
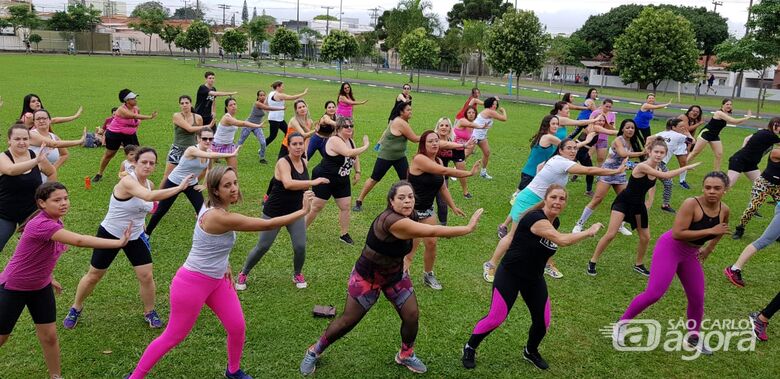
x: 340, y: 79
x: 150, y: 45
x: 462, y: 73
x: 739, y: 83
x: 411, y: 76
x: 170, y: 49
x: 418, y: 80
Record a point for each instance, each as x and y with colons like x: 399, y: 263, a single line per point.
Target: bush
x: 255, y: 55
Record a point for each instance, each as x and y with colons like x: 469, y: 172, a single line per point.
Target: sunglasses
x: 347, y: 126
x: 407, y: 88
x: 207, y: 139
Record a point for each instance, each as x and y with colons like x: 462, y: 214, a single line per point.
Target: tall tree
x: 484, y: 10
x: 234, y: 41
x: 77, y: 18
x: 367, y: 42
x: 339, y: 45
x: 257, y: 29
x: 244, y: 14
x: 567, y: 51
x: 285, y: 43
x: 169, y: 33
x: 187, y: 13
x: 449, y: 54
x: 22, y: 16
x: 150, y: 22
x: 198, y: 37
x: 408, y: 15
x: 474, y: 32
x: 419, y: 51
x: 149, y: 6
x: 516, y: 42
x: 658, y: 45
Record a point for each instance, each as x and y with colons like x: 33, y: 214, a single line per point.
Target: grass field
x: 111, y: 334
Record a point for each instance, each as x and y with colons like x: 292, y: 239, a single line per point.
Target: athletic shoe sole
x: 240, y: 287
x: 753, y: 317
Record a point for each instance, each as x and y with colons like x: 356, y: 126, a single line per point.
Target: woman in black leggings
x: 760, y: 320
x: 522, y: 271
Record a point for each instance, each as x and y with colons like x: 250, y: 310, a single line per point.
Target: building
x: 5, y: 4
x: 106, y: 7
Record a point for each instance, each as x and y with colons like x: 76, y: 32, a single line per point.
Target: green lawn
x: 111, y: 335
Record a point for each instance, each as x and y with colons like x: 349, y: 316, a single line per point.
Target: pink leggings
x: 189, y: 292
x: 671, y: 257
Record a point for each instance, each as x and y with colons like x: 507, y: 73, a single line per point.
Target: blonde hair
x: 213, y: 178
x: 452, y: 132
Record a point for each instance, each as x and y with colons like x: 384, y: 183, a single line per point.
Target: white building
x: 106, y: 7
x: 351, y: 25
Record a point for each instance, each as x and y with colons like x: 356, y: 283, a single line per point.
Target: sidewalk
x: 622, y: 105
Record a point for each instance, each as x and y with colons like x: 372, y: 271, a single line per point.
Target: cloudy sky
x: 560, y: 16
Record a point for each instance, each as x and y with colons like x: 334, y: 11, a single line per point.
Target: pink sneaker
x: 241, y: 282
x: 300, y: 281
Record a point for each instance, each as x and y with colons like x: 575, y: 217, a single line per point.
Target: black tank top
x: 636, y: 190
x: 715, y: 126
x: 772, y: 171
x: 383, y: 253
x: 336, y: 165
x: 325, y: 130
x: 425, y: 187
x: 17, y: 193
x: 528, y: 253
x: 706, y: 222
x: 282, y: 201
x: 757, y: 145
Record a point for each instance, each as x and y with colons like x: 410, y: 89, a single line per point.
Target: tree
x: 309, y: 37
x: 22, y: 16
x: 367, y: 45
x: 150, y: 23
x: 324, y: 17
x: 473, y: 38
x: 449, y: 54
x: 254, y: 13
x: 181, y: 42
x: 77, y: 18
x: 567, y: 51
x: 169, y: 34
x: 516, y: 42
x: 234, y: 42
x: 658, y: 45
x: 408, y: 15
x: 257, y: 29
x: 36, y: 39
x: 339, y: 45
x: 149, y: 6
x: 484, y: 10
x: 418, y: 51
x: 187, y: 13
x: 285, y: 42
x: 244, y: 13
x: 198, y: 37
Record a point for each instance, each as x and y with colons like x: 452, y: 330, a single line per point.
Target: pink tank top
x: 127, y: 126
x: 344, y: 109
x: 462, y: 135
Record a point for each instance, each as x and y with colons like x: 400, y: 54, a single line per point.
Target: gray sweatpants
x: 297, y: 232
x: 772, y: 232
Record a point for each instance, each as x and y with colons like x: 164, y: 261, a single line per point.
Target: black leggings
x: 772, y: 308
x: 275, y: 126
x: 441, y: 205
x: 505, y: 289
x: 583, y: 157
x: 195, y: 198
x: 642, y: 136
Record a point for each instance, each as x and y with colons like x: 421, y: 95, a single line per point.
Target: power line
x: 327, y: 18
x: 224, y: 7
x: 374, y: 15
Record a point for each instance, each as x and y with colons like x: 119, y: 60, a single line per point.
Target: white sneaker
x: 454, y: 179
x: 624, y: 231
x: 553, y: 272
x: 484, y: 174
x: 577, y: 228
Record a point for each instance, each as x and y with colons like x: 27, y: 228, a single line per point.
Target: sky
x: 560, y: 16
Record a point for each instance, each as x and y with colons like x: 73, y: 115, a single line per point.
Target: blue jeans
x: 258, y: 132
x: 316, y: 143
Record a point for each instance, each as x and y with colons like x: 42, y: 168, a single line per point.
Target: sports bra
x: 706, y: 222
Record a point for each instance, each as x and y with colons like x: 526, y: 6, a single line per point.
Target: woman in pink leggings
x: 698, y: 227
x: 206, y: 277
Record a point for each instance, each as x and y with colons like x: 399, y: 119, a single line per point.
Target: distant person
x: 27, y: 49
x: 577, y: 79
x: 221, y: 54
x: 710, y: 82
x: 204, y: 100
x: 557, y: 75
x: 115, y: 48
x: 71, y: 47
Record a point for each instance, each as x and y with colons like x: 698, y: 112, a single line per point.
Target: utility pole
x: 224, y: 7
x: 374, y: 15
x: 327, y: 18
x: 717, y: 3
x: 341, y: 12
x: 298, y: 17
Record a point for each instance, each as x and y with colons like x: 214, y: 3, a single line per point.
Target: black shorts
x: 381, y: 167
x: 634, y: 214
x: 39, y: 303
x: 525, y: 180
x: 457, y: 157
x: 709, y: 135
x: 740, y: 165
x: 339, y: 187
x: 138, y: 251
x: 116, y: 140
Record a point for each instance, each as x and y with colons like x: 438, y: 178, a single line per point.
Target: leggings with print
x: 761, y: 189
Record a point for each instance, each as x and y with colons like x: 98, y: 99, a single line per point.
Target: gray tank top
x: 256, y: 116
x: 185, y: 167
x: 210, y: 252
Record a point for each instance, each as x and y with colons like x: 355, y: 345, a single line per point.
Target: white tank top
x: 210, y: 252
x: 481, y: 134
x: 122, y: 212
x: 275, y: 115
x: 52, y: 156
x: 225, y: 134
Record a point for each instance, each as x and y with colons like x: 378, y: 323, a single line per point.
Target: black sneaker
x: 739, y: 231
x: 263, y: 161
x: 358, y: 206
x: 669, y: 209
x: 469, y: 357
x: 591, y: 269
x: 347, y: 239
x: 695, y: 343
x: 536, y: 359
x: 642, y: 270
x: 97, y: 178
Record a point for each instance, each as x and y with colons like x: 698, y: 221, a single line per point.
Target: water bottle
x: 87, y: 182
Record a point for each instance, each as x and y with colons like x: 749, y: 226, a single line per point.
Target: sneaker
x: 240, y: 374
x: 97, y: 178
x: 241, y: 282
x: 347, y: 239
x: 309, y: 363
x: 454, y: 179
x: 577, y: 228
x: 685, y: 185
x: 536, y: 359
x: 759, y: 327
x: 469, y: 357
x: 552, y: 271
x: 484, y: 174
x: 739, y: 231
x: 488, y: 272
x: 153, y: 319
x: 694, y: 342
x: 669, y: 209
x: 734, y: 276
x: 589, y: 193
x: 358, y: 206
x: 502, y: 231
x: 468, y: 195
x: 72, y: 318
x: 642, y: 269
x: 413, y: 363
x: 300, y: 281
x: 591, y: 269
x: 429, y: 279
x: 263, y: 161
x: 624, y: 230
